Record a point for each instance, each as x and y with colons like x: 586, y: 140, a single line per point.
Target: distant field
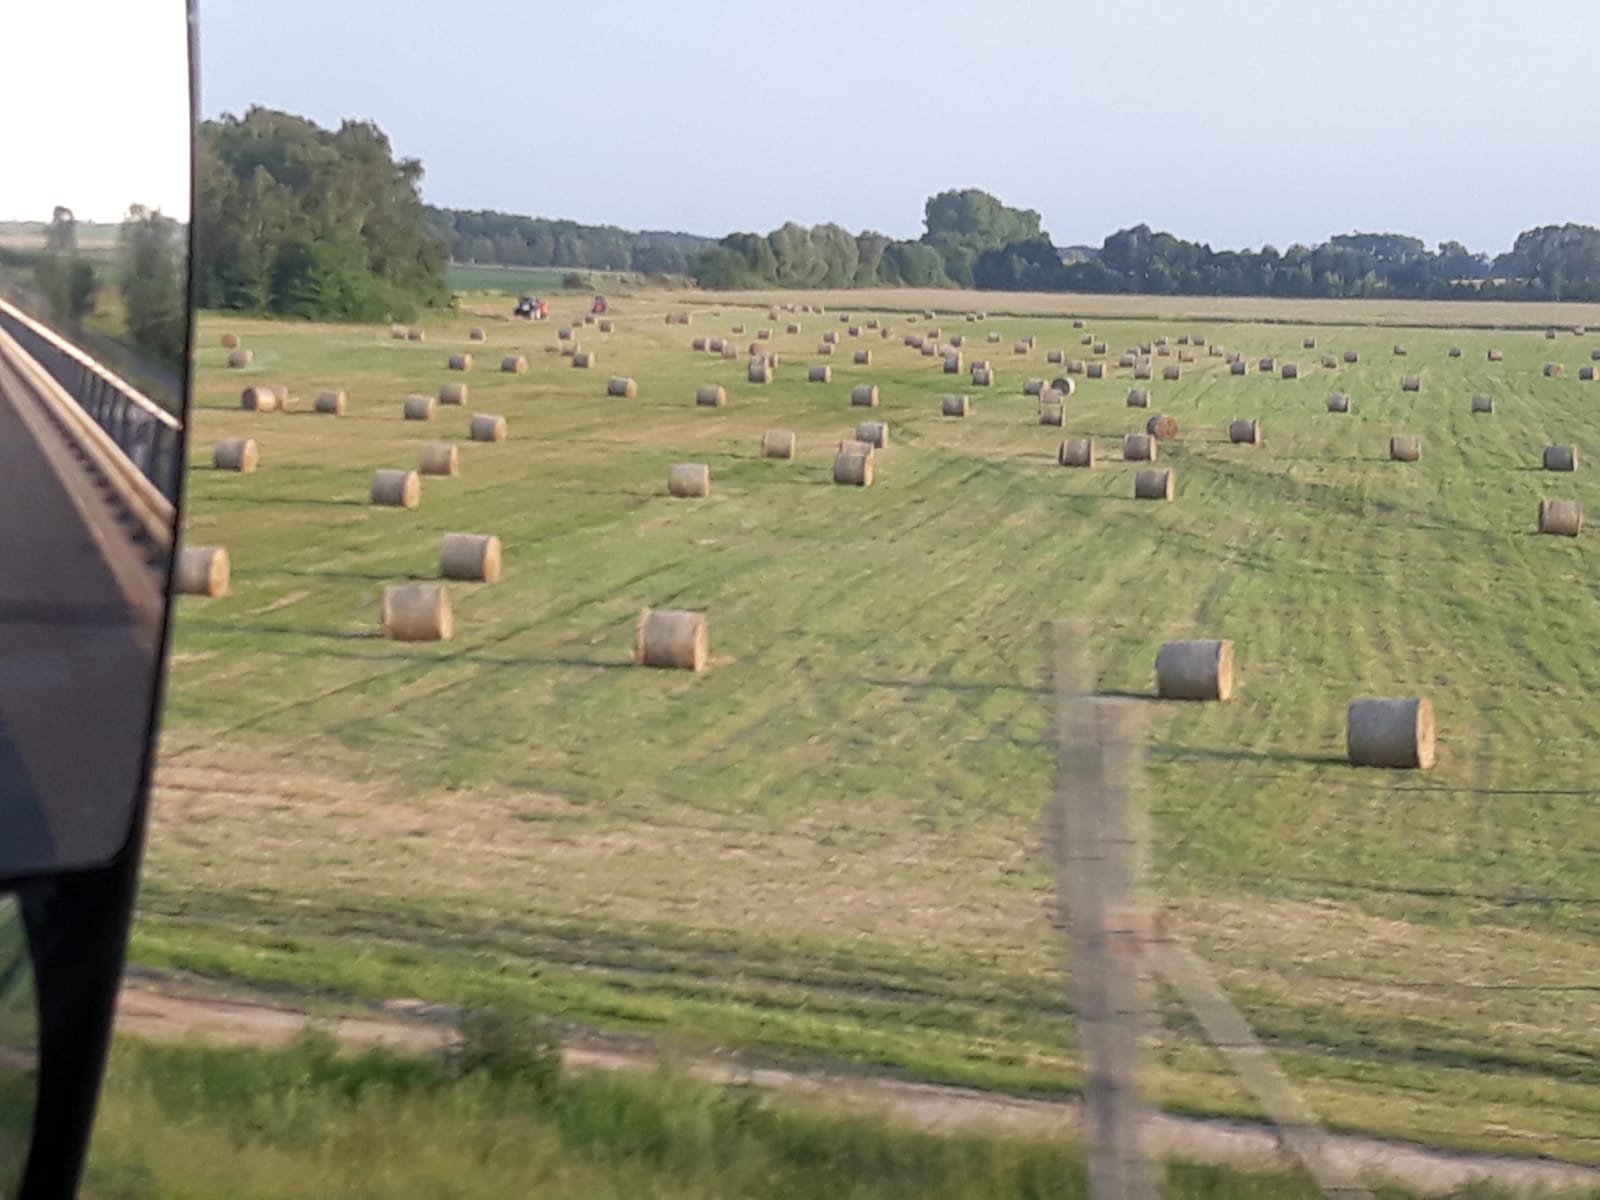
x: 827, y: 847
x: 517, y: 281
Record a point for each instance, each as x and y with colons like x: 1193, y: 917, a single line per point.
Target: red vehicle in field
x: 532, y: 308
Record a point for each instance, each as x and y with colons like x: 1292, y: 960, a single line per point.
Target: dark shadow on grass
x: 455, y: 654
x: 298, y: 500
x: 1169, y: 752
x: 950, y: 685
x: 302, y: 573
x: 341, y: 635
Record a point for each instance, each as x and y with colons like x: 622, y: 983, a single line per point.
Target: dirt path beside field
x: 157, y: 1015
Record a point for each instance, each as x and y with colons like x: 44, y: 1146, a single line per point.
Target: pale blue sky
x: 1236, y: 122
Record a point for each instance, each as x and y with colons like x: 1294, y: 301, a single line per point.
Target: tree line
x: 294, y: 219
x: 297, y: 220
x: 504, y: 239
x: 973, y: 240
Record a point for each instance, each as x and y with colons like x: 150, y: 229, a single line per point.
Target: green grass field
x: 260, y: 1125
x: 827, y: 848
x: 516, y: 281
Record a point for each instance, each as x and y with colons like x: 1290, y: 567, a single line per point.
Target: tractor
x: 532, y: 308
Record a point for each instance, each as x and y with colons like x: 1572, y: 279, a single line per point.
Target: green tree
x: 153, y: 278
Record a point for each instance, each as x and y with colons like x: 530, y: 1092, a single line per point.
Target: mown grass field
x: 828, y: 846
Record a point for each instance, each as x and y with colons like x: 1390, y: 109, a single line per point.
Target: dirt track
x: 162, y: 1016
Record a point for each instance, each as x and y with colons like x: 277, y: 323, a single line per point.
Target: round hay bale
x: 1267, y: 365
x: 982, y: 376
x: 1560, y: 458
x: 1594, y: 355
x: 1076, y: 452
x: 588, y: 318
x: 1126, y: 361
x: 777, y: 443
x: 514, y: 364
x: 1138, y: 397
x: 1338, y: 402
x: 738, y: 329
x: 229, y: 341
x: 1064, y: 385
x: 281, y: 391
x: 831, y: 338
x: 670, y: 640
x: 1309, y: 344
x: 854, y: 331
x: 398, y: 332
x: 1563, y: 518
x: 1195, y: 670
x: 236, y: 454
x: 1586, y: 374
x: 440, y: 458
x: 1185, y: 356
x: 1055, y: 356
x: 565, y: 333
x: 395, y: 489
x: 584, y: 359
x: 202, y: 571
x: 763, y: 335
x: 1163, y: 429
x: 913, y: 340
x: 609, y: 326
x: 1215, y: 351
x: 1245, y: 432
x: 1096, y: 370
x: 1171, y: 373
x: 1199, y: 339
x: 820, y: 374
x: 958, y: 341
x: 1329, y: 362
x: 1550, y: 334
x: 936, y: 333
x: 683, y: 318
x: 1350, y: 356
x: 792, y: 327
x: 1154, y: 484
x: 1554, y: 370
x: 419, y: 407
x: 1453, y: 352
x: 621, y: 385
x: 864, y: 395
x: 475, y: 334
x: 1400, y: 351
x: 241, y: 358
x: 1405, y: 448
x: 955, y: 406
x: 460, y: 362
x: 1483, y: 404
x: 730, y: 351
x: 1076, y: 366
x: 453, y: 393
x: 863, y: 358
x: 711, y: 395
x: 1020, y: 348
x: 417, y: 612
x: 852, y: 467
x: 1237, y: 367
x: 689, y: 480
x: 332, y: 402
x: 1290, y: 371
x: 1497, y: 356
x: 826, y: 349
x: 1139, y: 447
x: 759, y: 371
x: 1077, y: 324
x: 1086, y: 340
x: 416, y: 335
x: 700, y: 344
x: 1032, y: 387
x: 258, y: 399
x: 993, y: 337
x: 1183, y: 339
x: 1098, y: 348
x: 1162, y: 351
x: 1410, y: 383
x: 488, y: 427
x: 873, y: 323
x: 952, y: 363
x: 874, y: 434
x: 1052, y: 413
x: 471, y: 556
x: 1395, y: 733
